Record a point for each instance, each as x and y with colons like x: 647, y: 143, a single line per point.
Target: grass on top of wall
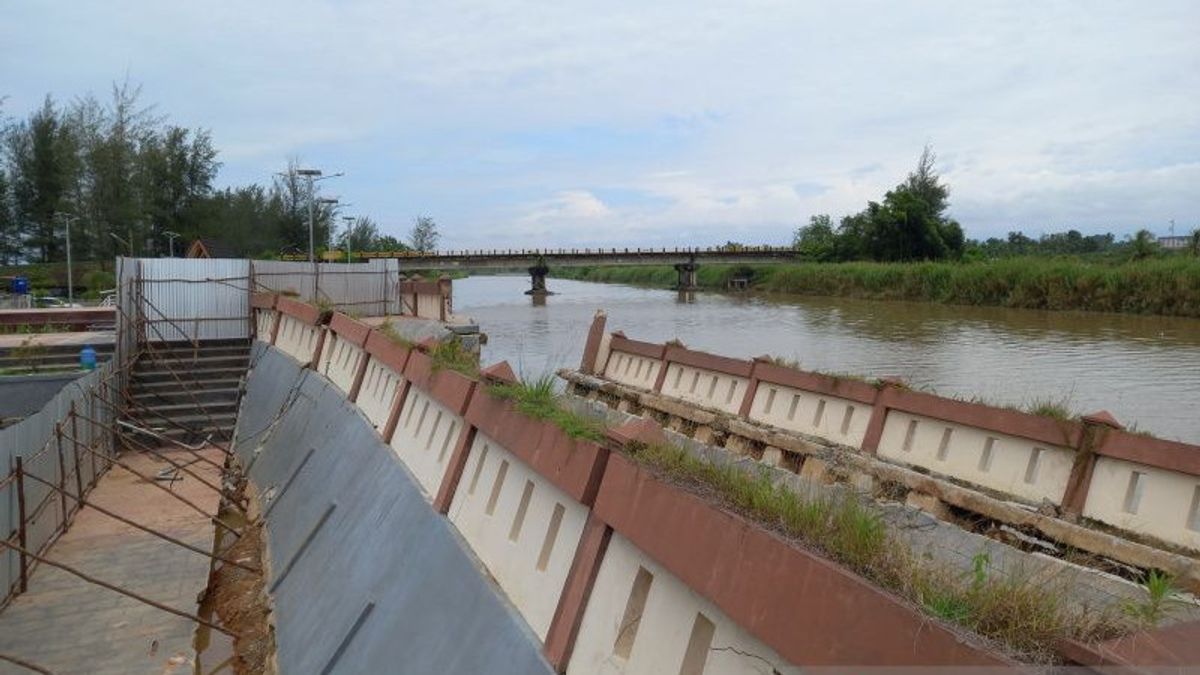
x: 1168, y: 285
x: 450, y: 354
x: 538, y: 400
x: 1024, y: 617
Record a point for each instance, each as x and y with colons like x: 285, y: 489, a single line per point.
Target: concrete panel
x: 523, y: 528
x: 642, y: 619
x: 378, y: 394
x: 708, y: 388
x: 632, y: 370
x: 365, y: 577
x: 424, y: 439
x: 1139, y: 498
x: 297, y: 339
x: 339, y: 361
x: 265, y: 323
x: 833, y: 418
x: 1010, y: 464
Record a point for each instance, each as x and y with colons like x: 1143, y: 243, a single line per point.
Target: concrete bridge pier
x: 537, y: 276
x: 687, y: 275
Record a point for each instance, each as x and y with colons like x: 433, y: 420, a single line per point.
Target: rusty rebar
x: 113, y: 587
x: 171, y: 492
x: 28, y: 665
x: 149, y: 530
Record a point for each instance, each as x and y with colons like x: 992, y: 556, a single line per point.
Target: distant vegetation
x: 906, y: 248
x: 126, y: 179
x: 1167, y: 285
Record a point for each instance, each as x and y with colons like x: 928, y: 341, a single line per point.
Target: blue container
x: 87, y: 358
x: 19, y: 286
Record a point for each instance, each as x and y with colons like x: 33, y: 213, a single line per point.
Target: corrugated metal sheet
x: 34, y: 439
x: 368, y: 288
x: 195, y: 299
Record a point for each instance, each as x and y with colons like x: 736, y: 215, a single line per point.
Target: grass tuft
x: 450, y: 354
x: 1025, y: 617
x: 538, y: 400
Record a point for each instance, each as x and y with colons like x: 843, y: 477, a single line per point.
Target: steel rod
x: 28, y: 665
x: 123, y: 591
x: 174, y: 494
x: 22, y: 534
x: 149, y: 530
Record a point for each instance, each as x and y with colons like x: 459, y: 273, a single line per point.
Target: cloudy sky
x: 610, y: 123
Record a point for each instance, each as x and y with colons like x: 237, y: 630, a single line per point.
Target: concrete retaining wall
x: 1087, y: 466
x: 365, y: 576
x: 538, y: 511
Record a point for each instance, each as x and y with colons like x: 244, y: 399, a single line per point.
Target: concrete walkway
x: 66, y: 625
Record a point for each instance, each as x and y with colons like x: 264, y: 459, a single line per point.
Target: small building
x: 1175, y: 243
x: 210, y: 248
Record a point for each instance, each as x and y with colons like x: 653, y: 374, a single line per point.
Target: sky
x: 667, y: 123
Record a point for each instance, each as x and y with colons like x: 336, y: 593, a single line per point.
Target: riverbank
x: 1168, y: 286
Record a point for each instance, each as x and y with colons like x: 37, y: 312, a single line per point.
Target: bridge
x: 538, y: 261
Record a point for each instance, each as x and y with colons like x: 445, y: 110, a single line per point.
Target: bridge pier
x: 687, y: 275
x: 537, y: 277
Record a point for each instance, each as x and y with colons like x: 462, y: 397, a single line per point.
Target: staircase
x: 188, y: 392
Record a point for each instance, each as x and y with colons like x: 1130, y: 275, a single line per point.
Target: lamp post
x: 349, y: 233
x: 313, y: 175
x: 67, y: 218
x: 171, y: 241
x: 127, y: 243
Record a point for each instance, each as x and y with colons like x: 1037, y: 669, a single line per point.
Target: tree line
x: 127, y: 181
x: 911, y: 224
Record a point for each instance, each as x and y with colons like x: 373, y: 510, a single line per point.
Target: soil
x: 239, y: 599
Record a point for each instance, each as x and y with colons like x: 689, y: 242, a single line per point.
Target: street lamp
x: 313, y: 175
x: 67, y: 218
x: 349, y: 233
x: 127, y: 243
x: 171, y: 240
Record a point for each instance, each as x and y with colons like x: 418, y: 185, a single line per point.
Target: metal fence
x: 65, y: 444
x: 176, y: 299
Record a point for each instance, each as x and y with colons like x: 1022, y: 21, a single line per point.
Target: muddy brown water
x: 1144, y: 369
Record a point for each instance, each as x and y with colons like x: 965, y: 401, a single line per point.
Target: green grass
x: 538, y: 400
x: 450, y: 354
x: 389, y: 329
x: 1167, y: 285
x: 1160, y: 591
x: 1025, y: 617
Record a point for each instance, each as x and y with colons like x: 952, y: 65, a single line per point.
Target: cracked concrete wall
x: 365, y: 576
x: 1084, y: 588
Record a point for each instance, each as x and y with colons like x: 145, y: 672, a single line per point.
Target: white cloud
x: 478, y: 113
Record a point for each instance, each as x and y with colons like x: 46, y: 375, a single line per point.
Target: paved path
x: 67, y: 625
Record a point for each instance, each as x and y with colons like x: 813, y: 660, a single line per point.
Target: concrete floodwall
x: 299, y: 333
x: 1089, y: 466
x: 364, y: 575
x: 426, y: 299
x: 567, y: 530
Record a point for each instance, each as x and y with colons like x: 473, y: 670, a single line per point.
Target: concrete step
x: 152, y: 352
x: 189, y: 376
x: 177, y: 411
x: 186, y: 395
x: 170, y: 385
x: 181, y: 364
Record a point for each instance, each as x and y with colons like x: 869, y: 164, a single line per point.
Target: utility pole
x: 67, y: 218
x: 349, y: 233
x: 313, y: 175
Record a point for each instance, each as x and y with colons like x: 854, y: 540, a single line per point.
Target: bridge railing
x: 337, y: 256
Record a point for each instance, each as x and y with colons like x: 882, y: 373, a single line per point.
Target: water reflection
x: 1145, y: 369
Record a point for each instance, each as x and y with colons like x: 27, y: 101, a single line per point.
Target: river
x: 1143, y: 369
